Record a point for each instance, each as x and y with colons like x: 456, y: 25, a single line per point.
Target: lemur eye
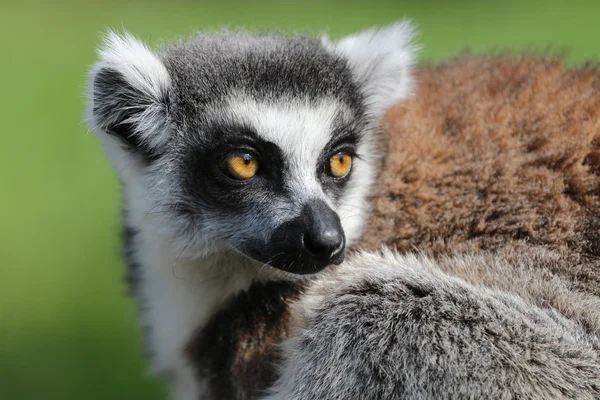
x: 340, y: 164
x: 241, y: 166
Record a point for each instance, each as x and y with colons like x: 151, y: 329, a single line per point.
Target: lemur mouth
x: 292, y: 260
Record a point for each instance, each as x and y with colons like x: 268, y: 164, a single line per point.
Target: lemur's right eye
x: 240, y: 166
x: 340, y: 165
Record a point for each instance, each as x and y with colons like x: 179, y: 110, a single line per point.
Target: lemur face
x: 270, y: 175
x: 261, y: 144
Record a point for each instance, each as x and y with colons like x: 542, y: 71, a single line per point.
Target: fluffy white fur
x: 382, y: 61
x: 179, y: 294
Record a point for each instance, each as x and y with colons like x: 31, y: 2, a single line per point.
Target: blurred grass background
x: 67, y: 330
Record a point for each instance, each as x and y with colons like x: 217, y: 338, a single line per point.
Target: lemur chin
x: 243, y: 158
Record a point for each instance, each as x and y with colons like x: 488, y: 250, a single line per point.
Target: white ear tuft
x: 136, y: 62
x: 128, y: 93
x: 382, y: 62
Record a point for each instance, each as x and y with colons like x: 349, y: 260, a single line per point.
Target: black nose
x: 324, y: 238
x: 306, y: 244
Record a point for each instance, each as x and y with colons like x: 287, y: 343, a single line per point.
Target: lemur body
x: 218, y: 292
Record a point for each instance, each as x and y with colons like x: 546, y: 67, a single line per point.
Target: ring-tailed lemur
x: 246, y: 160
x: 243, y: 158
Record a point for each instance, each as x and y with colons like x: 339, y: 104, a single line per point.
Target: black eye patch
x: 204, y: 182
x: 207, y: 187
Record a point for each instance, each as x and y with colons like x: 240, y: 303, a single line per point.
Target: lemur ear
x: 128, y: 95
x: 381, y: 61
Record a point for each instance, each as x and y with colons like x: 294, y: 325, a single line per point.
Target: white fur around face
x: 381, y: 61
x: 178, y: 295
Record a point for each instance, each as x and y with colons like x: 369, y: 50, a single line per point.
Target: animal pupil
x: 340, y: 165
x: 242, y: 166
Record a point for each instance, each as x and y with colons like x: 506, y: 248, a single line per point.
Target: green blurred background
x: 67, y: 330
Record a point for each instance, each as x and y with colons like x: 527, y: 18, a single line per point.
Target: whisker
x: 180, y: 253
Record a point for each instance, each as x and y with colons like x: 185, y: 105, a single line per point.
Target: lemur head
x: 258, y: 143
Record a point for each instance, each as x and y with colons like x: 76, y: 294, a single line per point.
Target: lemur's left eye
x: 241, y: 166
x: 340, y: 165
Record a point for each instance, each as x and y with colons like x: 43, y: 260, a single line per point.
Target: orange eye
x: 241, y: 166
x: 340, y: 165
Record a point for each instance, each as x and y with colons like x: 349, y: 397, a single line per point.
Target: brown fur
x: 499, y: 154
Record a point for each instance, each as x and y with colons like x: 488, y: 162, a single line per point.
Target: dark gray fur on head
x: 208, y: 67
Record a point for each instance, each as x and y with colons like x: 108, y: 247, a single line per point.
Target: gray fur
x: 397, y: 327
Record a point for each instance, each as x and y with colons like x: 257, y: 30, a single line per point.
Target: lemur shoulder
x: 247, y: 161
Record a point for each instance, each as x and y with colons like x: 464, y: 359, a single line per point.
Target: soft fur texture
x: 393, y: 327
